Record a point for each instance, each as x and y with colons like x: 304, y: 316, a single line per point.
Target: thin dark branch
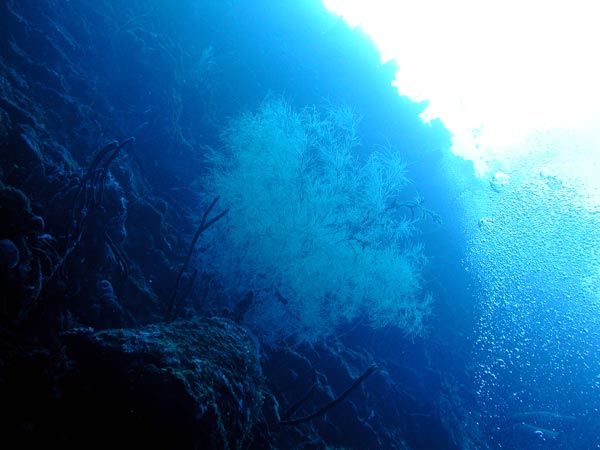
x: 171, y: 307
x: 88, y: 197
x: 186, y: 293
x: 334, y: 402
x: 292, y: 409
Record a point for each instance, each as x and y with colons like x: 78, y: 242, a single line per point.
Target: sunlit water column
x: 515, y: 82
x: 534, y: 252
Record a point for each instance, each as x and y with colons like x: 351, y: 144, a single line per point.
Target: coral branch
x: 331, y: 404
x: 172, y: 304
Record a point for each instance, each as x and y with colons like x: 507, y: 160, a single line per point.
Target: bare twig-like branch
x: 334, y: 402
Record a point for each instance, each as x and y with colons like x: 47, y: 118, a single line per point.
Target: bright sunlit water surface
x: 515, y: 82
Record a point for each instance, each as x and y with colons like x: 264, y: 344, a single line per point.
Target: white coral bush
x: 311, y: 231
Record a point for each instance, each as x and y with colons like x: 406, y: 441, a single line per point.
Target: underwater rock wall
x: 194, y: 384
x: 106, y: 108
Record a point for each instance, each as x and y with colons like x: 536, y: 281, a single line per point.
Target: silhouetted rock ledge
x: 193, y: 384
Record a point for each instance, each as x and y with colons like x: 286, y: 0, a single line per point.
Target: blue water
x: 510, y: 355
x: 537, y: 341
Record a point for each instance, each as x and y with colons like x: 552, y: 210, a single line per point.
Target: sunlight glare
x: 496, y: 73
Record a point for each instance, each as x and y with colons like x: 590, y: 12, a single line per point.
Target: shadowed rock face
x: 183, y: 385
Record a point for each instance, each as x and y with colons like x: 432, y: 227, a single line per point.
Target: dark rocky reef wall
x: 105, y: 110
